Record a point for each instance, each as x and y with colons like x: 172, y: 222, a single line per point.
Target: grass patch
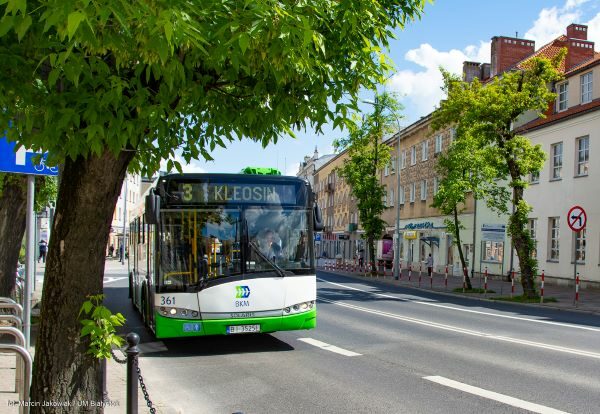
x: 473, y: 290
x: 522, y: 299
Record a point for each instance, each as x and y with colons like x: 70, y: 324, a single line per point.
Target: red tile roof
x: 549, y: 51
x: 560, y: 116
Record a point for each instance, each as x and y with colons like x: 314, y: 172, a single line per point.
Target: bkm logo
x: 242, y: 292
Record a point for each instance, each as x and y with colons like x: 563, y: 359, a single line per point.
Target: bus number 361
x: 167, y: 300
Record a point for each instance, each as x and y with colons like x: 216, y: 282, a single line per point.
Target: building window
x: 452, y: 134
x: 391, y: 198
x: 425, y: 150
x: 386, y: 170
x: 579, y: 238
x: 563, y: 90
x: 557, y: 150
x: 401, y: 195
x: 423, y: 190
x: 554, y: 223
x: 534, y: 177
x: 412, y: 192
x: 493, y: 251
x: 586, y: 88
x: 583, y: 155
x: 531, y: 225
x: 384, y: 198
x: 438, y: 143
x: 403, y: 159
x: 436, y: 185
x: 413, y: 155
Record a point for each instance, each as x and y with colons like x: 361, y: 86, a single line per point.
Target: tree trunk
x: 522, y: 244
x: 87, y: 196
x: 13, y: 209
x: 460, y: 251
x: 371, y: 243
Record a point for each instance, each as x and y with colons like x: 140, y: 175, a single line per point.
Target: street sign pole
x: 21, y: 161
x: 577, y: 220
x: 30, y: 259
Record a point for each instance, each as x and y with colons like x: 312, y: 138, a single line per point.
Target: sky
x: 448, y: 33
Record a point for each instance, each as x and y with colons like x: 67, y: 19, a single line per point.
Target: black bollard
x: 132, y: 352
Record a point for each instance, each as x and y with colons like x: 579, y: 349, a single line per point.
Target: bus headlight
x: 177, y: 312
x: 299, y: 307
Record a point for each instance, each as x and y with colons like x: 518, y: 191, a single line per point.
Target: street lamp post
x: 397, y: 251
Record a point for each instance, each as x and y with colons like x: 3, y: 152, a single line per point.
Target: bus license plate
x: 237, y: 329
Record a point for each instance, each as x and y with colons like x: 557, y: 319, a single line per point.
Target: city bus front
x: 241, y: 266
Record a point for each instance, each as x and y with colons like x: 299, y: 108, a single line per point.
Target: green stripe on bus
x: 173, y: 328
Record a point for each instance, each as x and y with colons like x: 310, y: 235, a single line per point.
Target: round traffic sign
x: 576, y: 218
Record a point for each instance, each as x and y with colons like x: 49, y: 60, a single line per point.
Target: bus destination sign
x: 220, y: 193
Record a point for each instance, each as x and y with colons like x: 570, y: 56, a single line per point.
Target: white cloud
x: 552, y: 23
x: 421, y: 91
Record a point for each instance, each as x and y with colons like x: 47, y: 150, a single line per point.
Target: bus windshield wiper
x: 278, y: 269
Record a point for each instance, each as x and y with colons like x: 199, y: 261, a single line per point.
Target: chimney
x: 507, y: 51
x: 577, y: 31
x: 579, y: 48
x: 471, y: 70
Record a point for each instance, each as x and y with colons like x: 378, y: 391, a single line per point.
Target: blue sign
x: 318, y: 237
x: 21, y: 161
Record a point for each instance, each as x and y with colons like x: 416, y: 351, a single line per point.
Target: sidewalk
x: 588, y: 300
x: 116, y: 375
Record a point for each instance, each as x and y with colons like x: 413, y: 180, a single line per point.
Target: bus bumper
x: 175, y: 328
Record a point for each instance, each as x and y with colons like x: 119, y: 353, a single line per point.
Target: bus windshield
x: 281, y: 236
x: 199, y: 245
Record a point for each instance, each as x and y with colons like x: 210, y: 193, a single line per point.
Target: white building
x: 128, y: 199
x: 570, y: 136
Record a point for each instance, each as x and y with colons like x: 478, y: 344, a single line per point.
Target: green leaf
x: 22, y: 26
x: 244, y: 41
x: 73, y: 21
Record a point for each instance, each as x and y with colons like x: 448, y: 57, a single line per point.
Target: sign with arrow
x: 576, y: 218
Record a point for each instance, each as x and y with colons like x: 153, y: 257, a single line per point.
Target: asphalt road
x: 382, y: 349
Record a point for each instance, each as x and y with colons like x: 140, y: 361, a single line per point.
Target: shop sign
x: 419, y: 226
x: 493, y: 232
x: 410, y: 235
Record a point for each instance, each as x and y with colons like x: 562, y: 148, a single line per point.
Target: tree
x: 114, y: 85
x: 367, y: 154
x: 465, y: 168
x: 13, y: 214
x: 487, y: 113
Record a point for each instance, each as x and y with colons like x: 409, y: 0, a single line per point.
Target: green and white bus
x: 218, y: 254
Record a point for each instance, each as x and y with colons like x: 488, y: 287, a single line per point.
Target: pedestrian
x: 429, y: 263
x: 121, y: 252
x: 111, y: 250
x: 43, y: 246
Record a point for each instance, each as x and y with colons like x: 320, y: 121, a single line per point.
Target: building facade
x: 568, y: 134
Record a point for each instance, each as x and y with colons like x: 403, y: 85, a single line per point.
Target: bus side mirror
x: 317, y: 218
x: 152, y: 208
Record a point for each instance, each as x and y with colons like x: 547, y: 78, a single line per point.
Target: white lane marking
x: 505, y: 399
x: 467, y: 331
x: 328, y: 347
x: 567, y: 325
x: 113, y: 279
